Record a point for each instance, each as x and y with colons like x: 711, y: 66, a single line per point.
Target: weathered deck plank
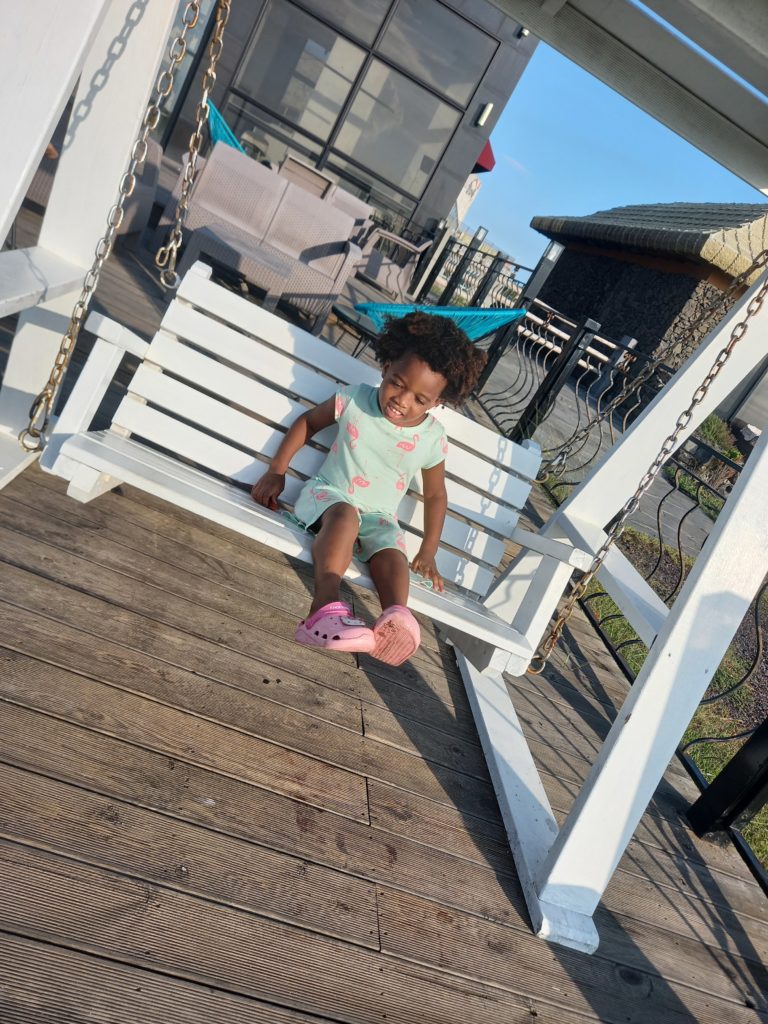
x: 43, y: 983
x: 94, y: 829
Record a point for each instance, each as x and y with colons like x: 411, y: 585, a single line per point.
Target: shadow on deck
x: 203, y: 821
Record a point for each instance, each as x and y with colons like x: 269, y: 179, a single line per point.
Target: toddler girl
x: 385, y: 435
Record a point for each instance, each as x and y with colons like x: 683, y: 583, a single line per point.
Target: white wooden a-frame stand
x: 565, y: 871
x: 110, y: 49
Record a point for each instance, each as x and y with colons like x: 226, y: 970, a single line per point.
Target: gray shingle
x: 723, y: 235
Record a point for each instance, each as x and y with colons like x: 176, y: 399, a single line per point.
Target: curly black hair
x: 442, y: 345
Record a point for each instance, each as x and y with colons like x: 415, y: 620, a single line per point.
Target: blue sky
x: 567, y: 144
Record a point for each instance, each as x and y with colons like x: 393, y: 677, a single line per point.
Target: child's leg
x: 396, y: 631
x: 389, y: 572
x: 332, y: 552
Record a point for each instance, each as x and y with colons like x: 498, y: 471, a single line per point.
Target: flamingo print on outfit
x: 357, y: 481
x: 354, y: 435
x: 408, y: 446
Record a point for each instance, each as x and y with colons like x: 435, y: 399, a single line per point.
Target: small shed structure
x: 648, y: 271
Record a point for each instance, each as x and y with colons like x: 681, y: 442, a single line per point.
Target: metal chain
x: 31, y: 438
x: 167, y: 254
x: 670, y: 445
x: 557, y: 465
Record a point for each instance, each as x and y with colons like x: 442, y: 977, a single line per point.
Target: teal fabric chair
x: 476, y: 323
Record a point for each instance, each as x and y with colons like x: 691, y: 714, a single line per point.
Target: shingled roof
x: 723, y: 235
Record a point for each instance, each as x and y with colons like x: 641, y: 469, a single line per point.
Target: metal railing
x: 464, y: 275
x: 555, y: 377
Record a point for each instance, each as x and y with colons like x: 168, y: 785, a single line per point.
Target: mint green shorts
x: 377, y: 530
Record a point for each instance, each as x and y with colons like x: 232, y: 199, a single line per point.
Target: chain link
x: 557, y: 465
x: 167, y: 254
x: 542, y: 655
x: 32, y: 437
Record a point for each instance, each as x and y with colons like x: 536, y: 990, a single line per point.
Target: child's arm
x: 269, y: 487
x: 435, y: 506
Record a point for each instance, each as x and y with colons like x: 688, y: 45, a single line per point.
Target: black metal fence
x: 465, y: 275
x: 555, y: 378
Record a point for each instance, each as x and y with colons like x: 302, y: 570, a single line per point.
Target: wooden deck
x: 202, y: 821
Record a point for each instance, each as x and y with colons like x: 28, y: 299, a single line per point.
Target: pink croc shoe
x: 397, y: 635
x: 334, y: 627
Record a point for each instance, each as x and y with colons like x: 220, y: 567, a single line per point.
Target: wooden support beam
x: 42, y: 48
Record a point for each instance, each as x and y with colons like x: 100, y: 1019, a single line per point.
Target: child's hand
x: 268, y: 489
x: 424, y: 565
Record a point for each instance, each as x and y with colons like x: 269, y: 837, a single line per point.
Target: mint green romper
x: 370, y: 466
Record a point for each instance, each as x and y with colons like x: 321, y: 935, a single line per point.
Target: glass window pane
x: 356, y: 18
x: 299, y: 68
x: 264, y: 137
x: 391, y: 208
x: 438, y: 47
x: 396, y: 128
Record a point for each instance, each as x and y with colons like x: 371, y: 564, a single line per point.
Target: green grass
x: 710, y: 503
x: 716, y: 432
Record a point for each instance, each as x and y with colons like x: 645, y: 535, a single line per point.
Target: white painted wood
x: 524, y: 806
x: 31, y: 276
x: 528, y: 593
x: 639, y: 602
x: 42, y: 47
x: 128, y: 460
x: 116, y: 334
x: 13, y: 458
x: 85, y: 398
x: 86, y: 484
x: 117, y: 76
x: 712, y: 603
x: 554, y: 548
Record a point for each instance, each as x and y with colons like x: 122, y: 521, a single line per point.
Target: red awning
x: 486, y: 161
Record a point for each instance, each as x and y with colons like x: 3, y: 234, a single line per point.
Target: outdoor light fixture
x: 485, y: 113
x: 522, y: 32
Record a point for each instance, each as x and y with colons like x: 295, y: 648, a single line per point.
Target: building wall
x: 627, y: 298
x: 445, y: 180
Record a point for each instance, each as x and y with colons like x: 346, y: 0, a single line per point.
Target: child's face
x: 409, y: 389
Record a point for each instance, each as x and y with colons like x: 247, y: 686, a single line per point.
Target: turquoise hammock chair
x: 476, y: 323
x: 220, y: 130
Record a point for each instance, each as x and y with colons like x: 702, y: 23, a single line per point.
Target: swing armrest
x: 117, y: 335
x: 112, y: 342
x: 561, y: 550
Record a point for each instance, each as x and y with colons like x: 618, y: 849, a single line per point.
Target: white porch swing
x: 563, y: 871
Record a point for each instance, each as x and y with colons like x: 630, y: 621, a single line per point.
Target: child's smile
x: 409, y: 389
